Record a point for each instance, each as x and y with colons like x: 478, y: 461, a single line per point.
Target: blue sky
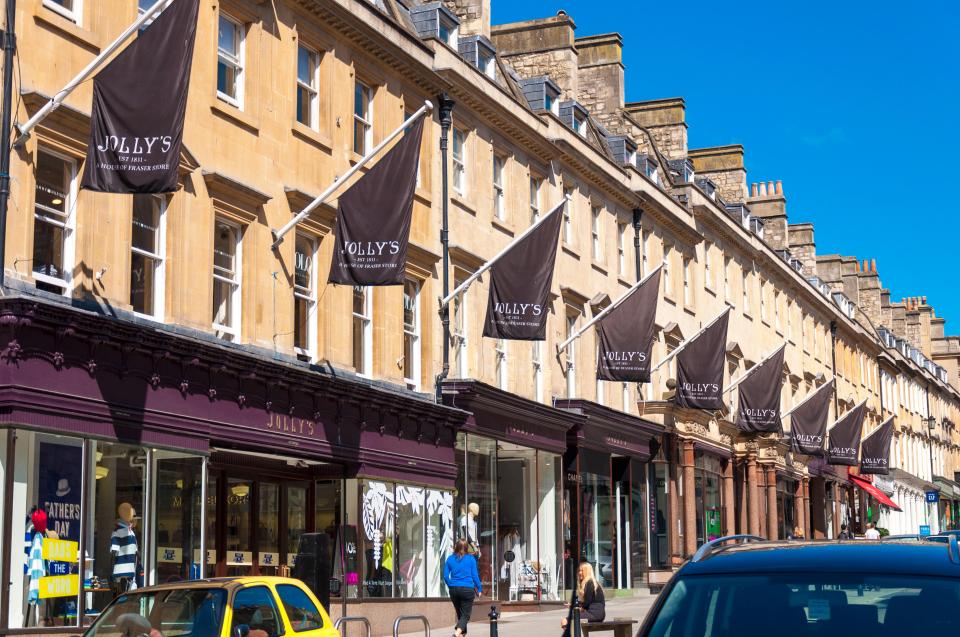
x: 854, y: 105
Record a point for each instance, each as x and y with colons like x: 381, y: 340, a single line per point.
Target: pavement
x: 546, y: 623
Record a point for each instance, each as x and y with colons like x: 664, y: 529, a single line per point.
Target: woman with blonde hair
x: 590, y: 596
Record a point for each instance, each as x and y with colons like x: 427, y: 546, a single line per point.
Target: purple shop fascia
x: 606, y: 468
x: 73, y: 377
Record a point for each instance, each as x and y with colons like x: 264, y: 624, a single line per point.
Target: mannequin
x: 468, y: 524
x: 512, y: 545
x: 36, y: 568
x: 124, y: 549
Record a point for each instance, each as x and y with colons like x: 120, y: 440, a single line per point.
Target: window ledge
x: 669, y: 299
x: 747, y: 315
x: 573, y: 253
x: 710, y: 290
x: 599, y: 267
x: 502, y: 226
x: 312, y: 136
x: 622, y: 281
x: 48, y: 18
x: 689, y: 310
x: 228, y: 111
x: 457, y: 199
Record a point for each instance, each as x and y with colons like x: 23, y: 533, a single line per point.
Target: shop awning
x: 877, y: 494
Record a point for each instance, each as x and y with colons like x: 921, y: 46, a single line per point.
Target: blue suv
x: 744, y: 586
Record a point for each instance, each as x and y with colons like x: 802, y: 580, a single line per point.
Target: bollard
x: 494, y: 616
x: 575, y: 615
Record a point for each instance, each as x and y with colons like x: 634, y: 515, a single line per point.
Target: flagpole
x: 691, y: 339
x: 339, y: 181
x: 486, y: 266
x: 88, y: 70
x: 863, y: 440
x: 743, y: 377
x: 862, y: 402
x: 806, y: 398
x: 562, y: 346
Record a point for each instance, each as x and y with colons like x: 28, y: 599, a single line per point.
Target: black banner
x: 625, y: 335
x: 759, y: 403
x: 875, y: 450
x: 520, y: 285
x: 844, y: 439
x: 700, y: 368
x: 373, y: 222
x: 808, y: 422
x: 139, y: 100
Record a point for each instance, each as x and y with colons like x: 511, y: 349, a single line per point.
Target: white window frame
x: 601, y: 392
x: 75, y: 14
x: 745, y: 283
x: 726, y: 279
x: 66, y: 221
x: 535, y: 183
x: 644, y: 251
x: 459, y: 162
x: 625, y: 397
x: 571, y: 367
x: 453, y: 30
x: 312, y: 89
x: 667, y: 280
x: 568, y: 217
x: 461, y: 334
x: 763, y: 300
x: 687, y: 282
x: 487, y: 64
x: 366, y: 120
x: 536, y: 357
x: 776, y: 310
x: 233, y: 330
x: 237, y: 62
x: 310, y: 296
x: 707, y: 267
x: 414, y: 336
x: 499, y: 207
x: 622, y: 249
x: 580, y: 124
x: 159, y: 258
x: 141, y: 10
x: 595, y: 233
x: 366, y: 335
x: 502, y: 368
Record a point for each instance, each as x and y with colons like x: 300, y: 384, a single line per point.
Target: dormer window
x: 624, y: 150
x: 479, y: 51
x: 541, y: 94
x: 575, y: 116
x: 434, y: 20
x: 648, y: 166
x: 683, y: 169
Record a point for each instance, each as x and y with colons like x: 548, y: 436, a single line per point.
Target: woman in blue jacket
x: 463, y: 581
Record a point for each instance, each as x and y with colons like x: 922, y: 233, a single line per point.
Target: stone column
x: 743, y: 514
x: 753, y: 488
x: 689, y: 499
x: 729, y: 500
x: 799, y: 508
x: 806, y: 508
x: 818, y: 508
x: 837, y: 494
x: 772, y: 502
x: 673, y: 504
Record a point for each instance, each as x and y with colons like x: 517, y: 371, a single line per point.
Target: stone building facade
x: 337, y: 396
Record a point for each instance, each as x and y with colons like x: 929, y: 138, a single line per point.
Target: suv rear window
x: 795, y: 605
x: 301, y: 612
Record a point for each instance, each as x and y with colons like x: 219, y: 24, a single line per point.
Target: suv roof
x: 859, y: 556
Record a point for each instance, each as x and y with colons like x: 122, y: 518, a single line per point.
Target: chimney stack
x: 474, y: 16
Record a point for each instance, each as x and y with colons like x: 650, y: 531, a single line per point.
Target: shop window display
x: 659, y: 551
x: 407, y: 534
x: 638, y: 526
x: 475, y: 504
x: 178, y: 516
x: 268, y: 528
x: 597, y: 520
x: 707, y: 480
x: 549, y: 503
x: 238, y: 555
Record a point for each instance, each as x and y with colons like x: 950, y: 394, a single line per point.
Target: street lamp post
x: 931, y: 423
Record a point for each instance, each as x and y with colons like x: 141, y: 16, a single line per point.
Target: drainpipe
x: 637, y: 217
x: 9, y: 50
x: 446, y: 119
x: 930, y: 421
x: 833, y: 357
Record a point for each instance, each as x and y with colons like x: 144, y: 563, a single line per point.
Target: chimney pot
x: 924, y: 299
x: 873, y: 265
x: 753, y: 189
x: 770, y: 188
x: 763, y: 189
x: 779, y: 187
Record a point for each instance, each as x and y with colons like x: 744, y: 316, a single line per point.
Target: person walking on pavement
x: 871, y: 533
x: 592, y: 605
x: 844, y: 533
x: 463, y: 580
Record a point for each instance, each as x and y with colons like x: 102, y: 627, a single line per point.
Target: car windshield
x: 792, y: 605
x: 185, y: 612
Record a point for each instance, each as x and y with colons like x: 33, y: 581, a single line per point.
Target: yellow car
x: 226, y: 607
